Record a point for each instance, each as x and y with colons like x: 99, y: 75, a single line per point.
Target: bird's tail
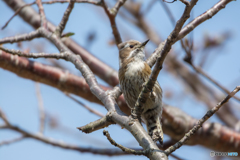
x: 155, y: 129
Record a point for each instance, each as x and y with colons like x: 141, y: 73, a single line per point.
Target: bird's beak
x: 143, y: 44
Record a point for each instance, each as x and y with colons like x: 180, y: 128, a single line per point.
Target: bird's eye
x: 131, y: 46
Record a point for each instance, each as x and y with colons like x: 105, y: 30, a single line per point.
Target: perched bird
x: 133, y: 73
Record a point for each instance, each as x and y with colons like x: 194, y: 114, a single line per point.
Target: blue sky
x: 18, y: 96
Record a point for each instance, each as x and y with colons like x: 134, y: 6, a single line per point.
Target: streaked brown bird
x: 133, y: 73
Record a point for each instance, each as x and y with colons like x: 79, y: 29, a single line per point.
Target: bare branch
x: 98, y: 124
x: 203, y: 17
x: 61, y: 144
x: 85, y: 106
x: 50, y: 2
x: 12, y: 141
x: 117, y: 6
x: 22, y: 37
x: 42, y: 14
x: 189, y: 27
x: 64, y: 20
x: 124, y: 149
x: 34, y: 55
x: 111, y: 15
x: 200, y: 71
x: 4, y: 118
x: 175, y: 128
x: 40, y: 108
x: 200, y: 122
x: 102, y: 70
x: 187, y: 3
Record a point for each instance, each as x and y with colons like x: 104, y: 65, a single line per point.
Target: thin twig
x: 125, y: 149
x: 35, y: 55
x: 42, y: 14
x: 201, y: 121
x: 6, y: 142
x: 98, y: 124
x: 65, y: 17
x: 40, y: 108
x: 111, y: 13
x: 85, y: 106
x: 61, y: 144
x: 50, y: 2
x: 22, y: 37
x: 4, y: 118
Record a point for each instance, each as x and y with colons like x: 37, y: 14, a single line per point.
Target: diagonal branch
x: 112, y: 13
x: 124, y: 149
x: 65, y: 17
x: 201, y: 121
x: 85, y: 106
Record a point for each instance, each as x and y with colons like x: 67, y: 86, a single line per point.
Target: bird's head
x: 131, y: 50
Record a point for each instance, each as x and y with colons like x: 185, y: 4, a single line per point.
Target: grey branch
x: 6, y: 142
x: 34, y: 55
x: 50, y: 2
x: 65, y: 17
x: 125, y: 149
x: 201, y: 121
x: 111, y: 13
x: 23, y: 37
x: 98, y: 124
x: 42, y: 14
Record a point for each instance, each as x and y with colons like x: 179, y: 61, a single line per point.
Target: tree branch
x: 64, y: 20
x: 98, y: 124
x: 22, y: 37
x: 124, y: 149
x: 34, y: 55
x: 200, y: 122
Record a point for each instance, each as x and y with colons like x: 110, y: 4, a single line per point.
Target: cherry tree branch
x: 49, y: 2
x: 108, y: 101
x: 19, y: 38
x: 98, y: 67
x: 201, y: 121
x: 34, y: 55
x: 64, y: 20
x: 124, y: 149
x: 112, y: 13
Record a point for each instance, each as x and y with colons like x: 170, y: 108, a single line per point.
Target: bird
x: 133, y: 73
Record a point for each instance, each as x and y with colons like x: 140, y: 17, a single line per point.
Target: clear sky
x: 18, y: 96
